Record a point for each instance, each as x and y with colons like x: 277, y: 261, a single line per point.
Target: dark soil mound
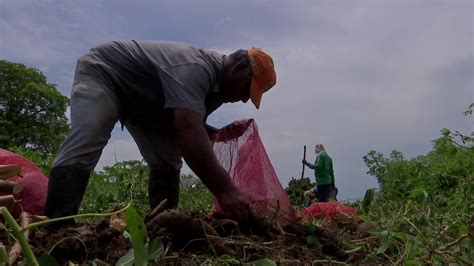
x: 193, y: 239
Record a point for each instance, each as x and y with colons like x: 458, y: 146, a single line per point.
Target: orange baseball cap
x: 263, y: 74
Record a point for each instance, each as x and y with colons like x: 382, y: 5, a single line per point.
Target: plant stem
x: 84, y: 215
x: 7, y: 200
x: 25, y: 247
x: 448, y: 246
x: 3, y: 254
x: 15, y: 250
x: 329, y: 261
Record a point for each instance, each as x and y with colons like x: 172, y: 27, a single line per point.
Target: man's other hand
x: 237, y: 207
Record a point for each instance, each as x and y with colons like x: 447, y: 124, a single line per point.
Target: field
x: 180, y: 237
x: 184, y: 242
x: 422, y: 213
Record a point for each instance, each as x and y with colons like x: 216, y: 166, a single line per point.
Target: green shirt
x: 323, y: 170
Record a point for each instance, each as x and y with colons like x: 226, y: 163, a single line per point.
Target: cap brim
x: 255, y: 94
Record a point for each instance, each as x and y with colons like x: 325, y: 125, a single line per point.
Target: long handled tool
x: 304, y: 158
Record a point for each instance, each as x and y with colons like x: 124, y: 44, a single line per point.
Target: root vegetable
x: 10, y: 187
x: 159, y: 208
x: 185, y: 228
x: 6, y: 201
x: 203, y: 229
x: 9, y: 170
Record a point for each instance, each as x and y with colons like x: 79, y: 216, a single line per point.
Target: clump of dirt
x: 193, y: 238
x: 180, y: 229
x: 80, y: 243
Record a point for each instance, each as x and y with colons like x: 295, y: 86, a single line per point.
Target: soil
x: 191, y: 238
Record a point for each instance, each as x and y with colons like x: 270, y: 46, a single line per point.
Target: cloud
x: 51, y: 35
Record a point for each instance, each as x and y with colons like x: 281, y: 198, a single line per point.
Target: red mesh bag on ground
x: 321, y: 210
x: 240, y: 151
x: 33, y: 196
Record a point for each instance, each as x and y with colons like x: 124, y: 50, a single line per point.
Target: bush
x: 424, y: 207
x: 124, y: 182
x: 44, y: 162
x: 296, y: 189
x: 128, y: 182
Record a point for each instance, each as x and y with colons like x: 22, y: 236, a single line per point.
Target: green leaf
x: 127, y: 259
x: 368, y: 199
x: 398, y: 236
x: 262, y: 262
x: 385, y: 243
x: 312, y: 229
x: 137, y: 230
x: 412, y: 263
x: 47, y: 260
x: 3, y: 254
x: 155, y: 248
x: 313, y: 242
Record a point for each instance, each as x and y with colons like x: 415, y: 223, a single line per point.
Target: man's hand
x: 197, y: 152
x: 237, y: 207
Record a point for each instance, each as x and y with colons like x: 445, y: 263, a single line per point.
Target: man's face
x: 236, y: 84
x: 317, y: 150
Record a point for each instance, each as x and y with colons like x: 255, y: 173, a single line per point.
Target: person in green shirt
x: 324, y: 173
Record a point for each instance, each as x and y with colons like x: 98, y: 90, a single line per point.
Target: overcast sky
x: 353, y: 75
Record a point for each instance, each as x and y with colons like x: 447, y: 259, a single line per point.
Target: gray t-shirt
x: 151, y: 76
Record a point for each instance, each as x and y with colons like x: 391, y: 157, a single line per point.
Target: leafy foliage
x: 137, y: 229
x: 424, y: 208
x: 296, y: 189
x: 437, y: 176
x: 44, y: 162
x: 142, y: 250
x: 124, y: 182
x: 32, y: 111
x: 128, y: 182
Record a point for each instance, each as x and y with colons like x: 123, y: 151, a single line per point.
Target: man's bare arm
x: 198, y: 154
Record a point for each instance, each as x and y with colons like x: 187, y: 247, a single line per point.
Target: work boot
x: 163, y: 184
x: 66, y: 188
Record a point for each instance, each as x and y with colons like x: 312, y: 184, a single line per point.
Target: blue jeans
x: 322, y: 192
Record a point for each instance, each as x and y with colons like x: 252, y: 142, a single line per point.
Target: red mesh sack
x: 33, y: 196
x: 321, y: 210
x: 240, y: 151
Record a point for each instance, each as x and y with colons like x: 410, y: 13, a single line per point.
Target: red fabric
x: 330, y: 209
x: 240, y: 151
x: 33, y: 196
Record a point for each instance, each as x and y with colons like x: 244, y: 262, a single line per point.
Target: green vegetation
x: 32, y: 111
x: 424, y: 209
x: 128, y: 182
x: 422, y: 212
x: 43, y: 161
x: 296, y: 189
x: 46, y: 259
